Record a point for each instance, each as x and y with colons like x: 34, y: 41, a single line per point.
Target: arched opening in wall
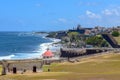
x: 14, y: 70
x: 34, y: 69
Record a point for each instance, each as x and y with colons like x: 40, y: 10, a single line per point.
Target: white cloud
x: 92, y: 15
x: 91, y: 3
x: 60, y: 21
x: 38, y: 5
x: 63, y: 20
x: 109, y: 12
x: 88, y: 3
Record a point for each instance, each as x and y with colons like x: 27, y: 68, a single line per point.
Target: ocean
x: 23, y: 45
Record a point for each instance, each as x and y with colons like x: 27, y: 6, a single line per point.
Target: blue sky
x: 51, y: 15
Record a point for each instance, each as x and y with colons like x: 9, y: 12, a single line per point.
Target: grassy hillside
x: 102, y: 67
x: 117, y: 39
x: 0, y: 68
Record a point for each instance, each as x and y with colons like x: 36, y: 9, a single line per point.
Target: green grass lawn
x: 117, y: 39
x: 0, y: 68
x: 103, y: 67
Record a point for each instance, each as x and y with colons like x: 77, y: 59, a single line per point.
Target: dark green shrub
x: 115, y: 33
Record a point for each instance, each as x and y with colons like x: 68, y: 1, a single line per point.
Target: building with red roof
x: 48, y: 54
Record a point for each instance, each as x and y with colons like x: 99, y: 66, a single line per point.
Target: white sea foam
x: 44, y: 46
x: 38, y: 53
x: 35, y: 54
